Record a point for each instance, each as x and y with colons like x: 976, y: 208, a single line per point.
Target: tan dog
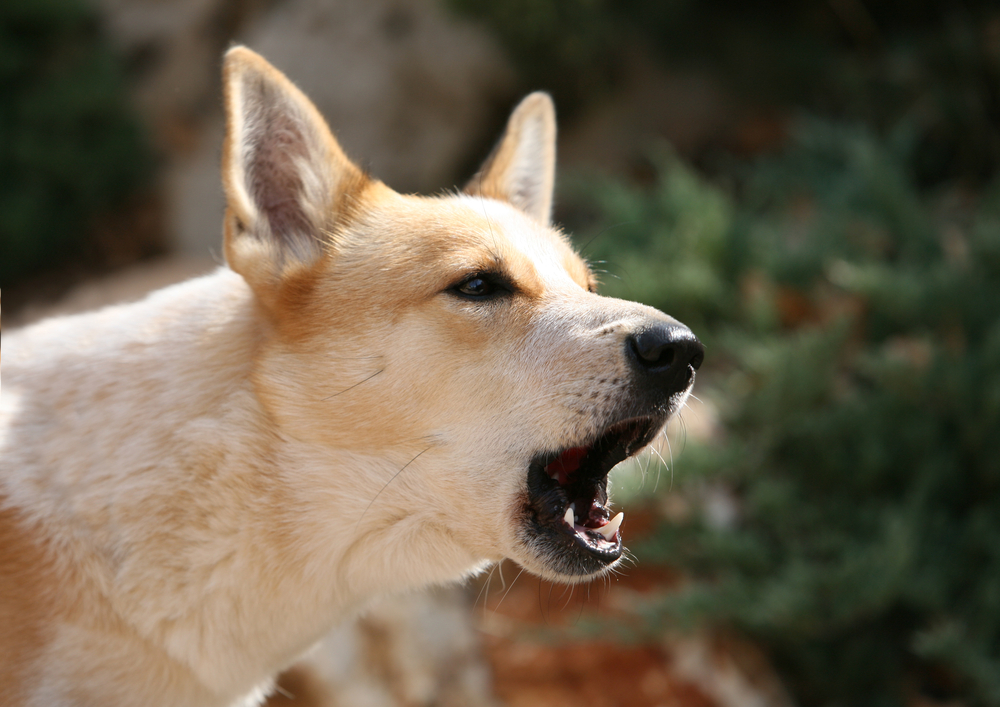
x: 380, y: 392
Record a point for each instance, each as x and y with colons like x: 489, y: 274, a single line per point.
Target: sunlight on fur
x: 377, y: 393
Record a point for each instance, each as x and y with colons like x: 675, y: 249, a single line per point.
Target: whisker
x: 664, y: 463
x: 604, y: 230
x: 548, y: 600
x: 387, y: 486
x: 482, y: 201
x: 486, y: 587
x: 283, y: 692
x: 583, y: 604
x: 625, y: 272
x: 355, y: 385
x: 508, y: 590
x: 643, y: 470
x: 503, y: 582
x: 572, y: 588
x: 670, y: 450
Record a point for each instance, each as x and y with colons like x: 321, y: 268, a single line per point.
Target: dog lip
x: 634, y: 434
x: 602, y: 539
x: 575, y: 477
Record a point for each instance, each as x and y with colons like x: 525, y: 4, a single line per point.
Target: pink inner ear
x: 273, y: 175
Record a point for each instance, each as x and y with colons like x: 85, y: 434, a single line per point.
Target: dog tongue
x: 566, y: 463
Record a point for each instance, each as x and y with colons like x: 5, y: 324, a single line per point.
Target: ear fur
x: 282, y: 170
x: 521, y: 168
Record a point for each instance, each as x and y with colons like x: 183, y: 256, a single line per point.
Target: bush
x: 853, y: 324
x: 70, y: 148
x: 933, y: 65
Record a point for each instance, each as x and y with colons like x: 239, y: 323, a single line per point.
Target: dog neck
x: 272, y: 539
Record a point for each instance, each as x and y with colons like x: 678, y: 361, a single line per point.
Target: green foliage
x: 933, y: 65
x: 848, y: 292
x: 564, y: 46
x: 666, y: 245
x: 854, y: 329
x: 69, y: 147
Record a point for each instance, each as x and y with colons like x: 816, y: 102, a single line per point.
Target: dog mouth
x: 567, y: 511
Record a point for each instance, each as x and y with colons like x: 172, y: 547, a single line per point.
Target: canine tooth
x: 568, y: 516
x: 609, y: 530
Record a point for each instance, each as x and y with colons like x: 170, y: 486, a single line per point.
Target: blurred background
x: 811, y: 185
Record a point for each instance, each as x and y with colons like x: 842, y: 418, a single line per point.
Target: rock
x: 409, y: 90
x: 406, y: 88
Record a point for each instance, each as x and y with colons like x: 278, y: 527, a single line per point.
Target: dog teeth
x: 609, y: 530
x: 569, y: 517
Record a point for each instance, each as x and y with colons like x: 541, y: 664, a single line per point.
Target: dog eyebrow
x: 485, y: 261
x: 489, y: 263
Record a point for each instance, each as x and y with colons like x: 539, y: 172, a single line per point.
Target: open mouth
x: 568, y: 496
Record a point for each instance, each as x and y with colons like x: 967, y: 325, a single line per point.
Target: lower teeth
x: 607, y: 531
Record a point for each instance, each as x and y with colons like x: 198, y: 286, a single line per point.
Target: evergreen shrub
x: 70, y: 147
x: 852, y: 324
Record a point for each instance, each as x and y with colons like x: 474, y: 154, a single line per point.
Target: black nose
x: 668, y: 353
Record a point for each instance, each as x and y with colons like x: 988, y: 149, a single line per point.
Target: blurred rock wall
x: 412, y: 94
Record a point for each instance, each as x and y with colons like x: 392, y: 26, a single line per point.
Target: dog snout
x: 665, y: 355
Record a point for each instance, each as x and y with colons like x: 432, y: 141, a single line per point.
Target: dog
x: 379, y: 392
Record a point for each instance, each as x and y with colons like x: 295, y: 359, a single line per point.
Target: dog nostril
x: 658, y: 356
x: 660, y: 348
x: 653, y: 349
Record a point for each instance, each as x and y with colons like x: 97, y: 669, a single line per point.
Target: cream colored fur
x: 194, y: 488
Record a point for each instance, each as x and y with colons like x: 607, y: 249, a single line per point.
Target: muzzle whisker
x: 663, y: 462
x: 497, y: 607
x: 486, y: 590
x: 572, y: 589
x: 503, y: 582
x: 670, y: 450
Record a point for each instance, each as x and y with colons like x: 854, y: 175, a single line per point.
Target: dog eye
x: 481, y: 286
x: 475, y: 286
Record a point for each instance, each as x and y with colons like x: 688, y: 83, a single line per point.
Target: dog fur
x: 194, y: 488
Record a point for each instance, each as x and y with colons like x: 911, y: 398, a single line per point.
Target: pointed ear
x: 282, y: 170
x: 521, y: 169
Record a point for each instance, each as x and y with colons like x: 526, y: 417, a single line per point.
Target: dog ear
x: 282, y: 170
x: 521, y: 168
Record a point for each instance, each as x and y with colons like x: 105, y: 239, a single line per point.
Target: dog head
x: 459, y: 336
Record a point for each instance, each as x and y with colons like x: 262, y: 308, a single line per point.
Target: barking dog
x: 379, y: 392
